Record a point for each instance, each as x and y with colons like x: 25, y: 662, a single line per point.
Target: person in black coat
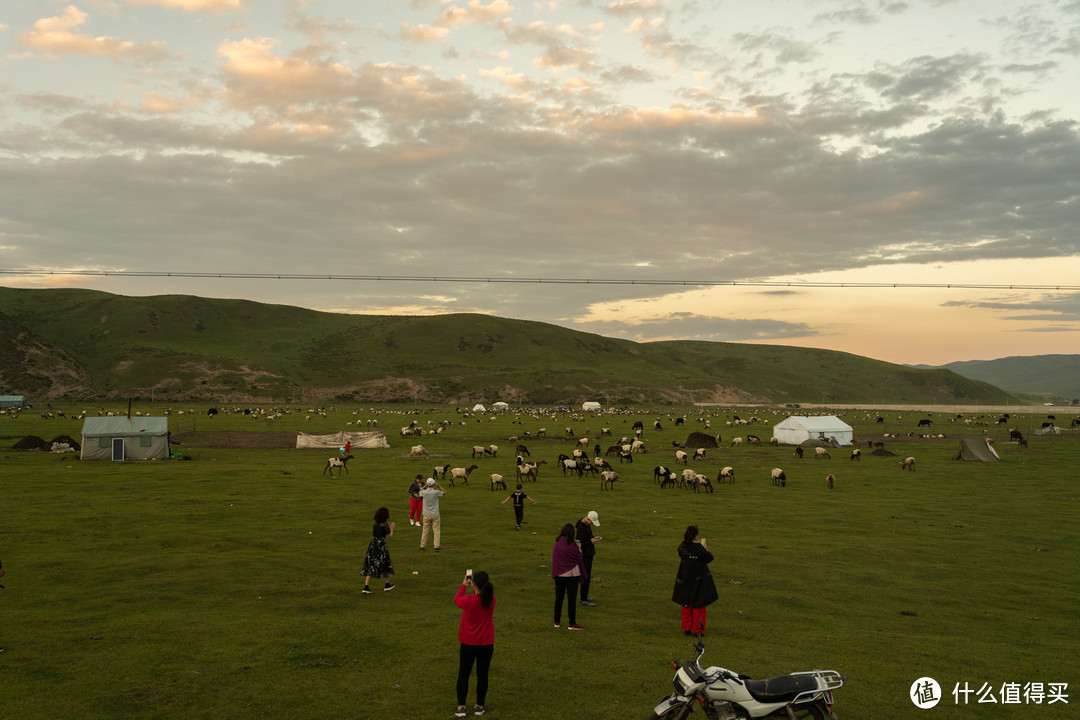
x: 694, y: 586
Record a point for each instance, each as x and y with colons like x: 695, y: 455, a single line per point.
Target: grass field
x: 228, y: 586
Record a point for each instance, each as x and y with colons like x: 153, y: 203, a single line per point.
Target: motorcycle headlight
x: 688, y: 676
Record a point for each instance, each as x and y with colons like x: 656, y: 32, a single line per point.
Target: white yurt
x: 590, y: 405
x: 799, y: 429
x: 479, y: 407
x: 500, y: 406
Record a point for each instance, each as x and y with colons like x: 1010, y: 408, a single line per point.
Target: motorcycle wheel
x: 679, y: 712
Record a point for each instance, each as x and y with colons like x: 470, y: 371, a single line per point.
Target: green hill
x: 1054, y: 377
x: 83, y: 344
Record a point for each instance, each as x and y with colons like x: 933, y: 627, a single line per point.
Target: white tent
x: 357, y: 440
x: 500, y: 406
x: 125, y: 438
x: 479, y: 407
x: 591, y: 405
x: 798, y: 429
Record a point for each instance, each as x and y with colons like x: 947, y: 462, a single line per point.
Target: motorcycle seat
x: 783, y: 688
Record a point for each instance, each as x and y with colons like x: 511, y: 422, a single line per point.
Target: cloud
x: 474, y: 13
x: 53, y: 36
x: 216, y: 7
x: 422, y: 33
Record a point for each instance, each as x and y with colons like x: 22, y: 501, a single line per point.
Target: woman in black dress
x: 377, y: 560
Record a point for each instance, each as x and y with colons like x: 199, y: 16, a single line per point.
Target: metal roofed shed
x: 125, y: 438
x: 798, y: 429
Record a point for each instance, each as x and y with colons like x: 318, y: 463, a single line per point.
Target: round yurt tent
x: 479, y: 407
x: 500, y: 406
x: 590, y: 405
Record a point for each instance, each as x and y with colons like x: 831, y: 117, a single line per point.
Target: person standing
x: 377, y: 560
x: 416, y: 503
x: 694, y: 585
x: 432, y: 521
x: 348, y: 447
x: 476, y: 633
x: 519, y: 498
x: 587, y: 541
x: 568, y: 569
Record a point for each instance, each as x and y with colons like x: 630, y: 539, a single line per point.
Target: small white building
x: 500, y: 406
x: 798, y: 429
x: 125, y: 438
x: 479, y: 407
x: 591, y: 405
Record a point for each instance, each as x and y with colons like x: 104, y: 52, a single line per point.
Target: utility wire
x: 535, y: 281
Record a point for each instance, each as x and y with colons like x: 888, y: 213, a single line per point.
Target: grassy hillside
x: 83, y: 344
x: 1055, y: 376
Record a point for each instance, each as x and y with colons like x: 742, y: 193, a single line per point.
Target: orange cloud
x: 54, y: 36
x: 217, y: 7
x: 474, y: 13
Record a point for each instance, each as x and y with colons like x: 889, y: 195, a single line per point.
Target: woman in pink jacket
x: 476, y: 633
x: 568, y: 570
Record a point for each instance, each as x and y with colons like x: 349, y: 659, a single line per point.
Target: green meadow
x: 227, y: 585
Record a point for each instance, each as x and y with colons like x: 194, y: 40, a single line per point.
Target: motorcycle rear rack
x: 828, y: 680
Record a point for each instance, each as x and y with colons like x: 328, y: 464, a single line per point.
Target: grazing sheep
x: 669, y: 480
x: 908, y: 464
x: 820, y: 452
x: 440, y: 472
x: 798, y: 451
x: 736, y: 441
x: 526, y: 471
x: 831, y: 480
x: 656, y: 425
x: 687, y: 478
x: 497, y: 480
x: 478, y: 451
x: 726, y: 474
x: 460, y: 473
x: 625, y: 456
x: 753, y: 439
x: 493, y: 450
x: 700, y: 481
x: 682, y: 457
x: 569, y: 465
x: 419, y: 451
x: 601, y: 464
x: 1022, y: 443
x: 522, y: 450
x: 608, y: 478
x: 779, y: 478
x: 637, y: 446
x: 335, y: 462
x: 699, y: 454
x: 856, y: 454
x: 659, y: 472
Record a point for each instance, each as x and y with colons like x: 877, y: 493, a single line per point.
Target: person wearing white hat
x: 432, y: 520
x: 583, y: 529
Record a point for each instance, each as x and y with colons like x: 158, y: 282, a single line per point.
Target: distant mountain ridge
x: 1057, y: 377
x: 84, y: 344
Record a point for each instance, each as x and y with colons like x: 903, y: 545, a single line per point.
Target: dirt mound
x: 31, y: 442
x: 700, y: 440
x: 882, y: 452
x: 66, y: 439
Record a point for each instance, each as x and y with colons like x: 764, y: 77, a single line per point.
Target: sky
x: 895, y: 179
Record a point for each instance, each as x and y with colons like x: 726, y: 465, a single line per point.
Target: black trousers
x: 587, y: 562
x: 481, y: 655
x: 566, y: 587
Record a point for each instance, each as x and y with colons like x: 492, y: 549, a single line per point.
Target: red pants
x: 693, y: 619
x: 415, y: 506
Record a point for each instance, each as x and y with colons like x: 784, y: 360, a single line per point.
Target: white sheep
x: 821, y: 453
x: 908, y: 464
x: 461, y: 473
x: 497, y: 480
x: 779, y: 478
x: 418, y: 451
x: 608, y: 478
x: 726, y: 474
x: 336, y: 462
x: 682, y: 457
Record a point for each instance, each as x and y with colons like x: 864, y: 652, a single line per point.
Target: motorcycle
x: 724, y: 695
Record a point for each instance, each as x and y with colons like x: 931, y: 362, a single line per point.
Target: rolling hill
x: 84, y: 344
x: 1055, y: 378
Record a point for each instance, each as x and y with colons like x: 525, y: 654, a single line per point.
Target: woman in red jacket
x: 476, y: 633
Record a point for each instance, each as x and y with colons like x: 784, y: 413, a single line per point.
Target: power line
x: 536, y: 281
